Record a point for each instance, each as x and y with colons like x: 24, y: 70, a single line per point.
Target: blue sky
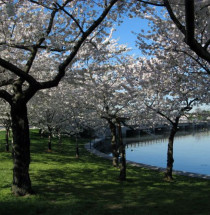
x: 125, y: 35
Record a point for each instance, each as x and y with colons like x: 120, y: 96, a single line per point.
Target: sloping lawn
x: 88, y: 185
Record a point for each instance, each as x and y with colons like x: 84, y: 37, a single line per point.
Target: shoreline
x: 96, y: 152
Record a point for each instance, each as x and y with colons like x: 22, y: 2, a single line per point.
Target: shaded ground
x: 89, y: 186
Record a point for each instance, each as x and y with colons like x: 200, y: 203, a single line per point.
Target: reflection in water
x: 191, y: 152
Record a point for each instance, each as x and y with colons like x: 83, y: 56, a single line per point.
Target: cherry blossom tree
x: 35, y: 54
x: 184, y: 54
x: 190, y: 17
x: 80, y: 118
x: 103, y: 79
x: 171, y: 92
x: 61, y: 111
x: 196, y: 27
x: 48, y: 112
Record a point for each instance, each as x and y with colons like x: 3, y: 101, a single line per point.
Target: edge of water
x: 90, y: 147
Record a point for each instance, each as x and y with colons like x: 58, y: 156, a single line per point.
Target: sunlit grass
x: 89, y: 186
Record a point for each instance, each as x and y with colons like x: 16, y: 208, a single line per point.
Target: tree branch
x: 173, y: 17
x: 18, y: 46
x: 6, y: 82
x: 196, y: 60
x: 207, y: 44
x: 41, y: 40
x: 43, y: 5
x: 6, y: 96
x: 20, y: 73
x: 68, y: 60
x: 187, y: 107
x: 152, y: 3
x: 196, y: 99
x: 160, y: 113
x: 70, y: 15
x: 189, y: 21
x: 166, y: 117
x: 192, y: 42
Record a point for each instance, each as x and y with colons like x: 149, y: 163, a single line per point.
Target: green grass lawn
x: 89, y: 185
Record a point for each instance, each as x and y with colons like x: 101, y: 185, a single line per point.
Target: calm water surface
x: 191, y: 152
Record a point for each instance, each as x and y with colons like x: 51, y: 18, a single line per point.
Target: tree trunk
x: 7, y: 140
x: 59, y: 139
x: 115, y: 154
x: 77, y: 149
x: 21, y: 184
x: 122, y: 176
x: 50, y: 142
x: 40, y: 133
x: 170, y: 159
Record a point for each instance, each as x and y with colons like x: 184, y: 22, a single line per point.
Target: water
x: 191, y: 152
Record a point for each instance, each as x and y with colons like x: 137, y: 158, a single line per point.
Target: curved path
x: 90, y: 147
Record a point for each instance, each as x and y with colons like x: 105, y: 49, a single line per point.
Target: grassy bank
x: 89, y: 185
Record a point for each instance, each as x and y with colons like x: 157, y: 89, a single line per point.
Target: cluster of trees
x: 99, y: 83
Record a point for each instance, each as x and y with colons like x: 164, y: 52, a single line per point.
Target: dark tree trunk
x: 10, y: 131
x: 170, y: 159
x: 40, y: 133
x: 59, y: 139
x: 21, y: 184
x: 115, y: 154
x: 7, y: 140
x: 77, y: 149
x: 90, y: 143
x: 50, y: 142
x: 122, y: 176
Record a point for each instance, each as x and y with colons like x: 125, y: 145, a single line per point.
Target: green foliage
x: 66, y: 185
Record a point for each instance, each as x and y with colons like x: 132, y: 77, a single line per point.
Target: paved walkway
x: 90, y: 147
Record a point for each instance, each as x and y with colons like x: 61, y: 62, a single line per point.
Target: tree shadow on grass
x: 90, y: 190
x: 94, y: 190
x: 89, y: 186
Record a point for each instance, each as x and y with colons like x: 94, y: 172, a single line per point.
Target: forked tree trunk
x: 122, y: 176
x: 115, y: 154
x: 21, y: 184
x: 170, y: 159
